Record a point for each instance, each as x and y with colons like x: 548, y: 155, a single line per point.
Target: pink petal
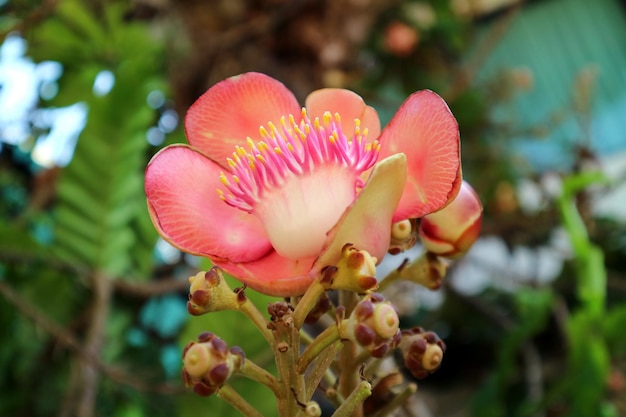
x: 185, y: 208
x: 349, y: 105
x: 234, y: 109
x: 425, y: 130
x: 273, y: 275
x: 367, y: 223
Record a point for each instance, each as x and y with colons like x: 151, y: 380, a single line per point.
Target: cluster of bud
x: 373, y: 325
x: 208, y: 363
x: 210, y: 292
x: 422, y: 351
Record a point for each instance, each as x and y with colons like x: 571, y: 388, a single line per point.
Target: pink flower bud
x: 451, y: 231
x: 422, y: 351
x: 374, y: 325
x: 208, y: 363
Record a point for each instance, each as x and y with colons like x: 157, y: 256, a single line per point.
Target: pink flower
x: 273, y: 205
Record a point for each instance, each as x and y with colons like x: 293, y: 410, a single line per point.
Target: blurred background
x: 92, y: 303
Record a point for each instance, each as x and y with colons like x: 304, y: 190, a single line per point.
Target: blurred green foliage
x: 61, y: 230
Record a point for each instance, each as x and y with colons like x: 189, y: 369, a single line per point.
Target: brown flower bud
x: 422, y: 351
x: 374, y: 325
x: 451, y: 231
x: 208, y: 363
x: 210, y: 292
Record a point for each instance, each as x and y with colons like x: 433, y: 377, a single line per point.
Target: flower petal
x: 234, y: 109
x: 185, y: 208
x: 425, y: 130
x: 273, y: 274
x: 348, y: 104
x: 367, y: 223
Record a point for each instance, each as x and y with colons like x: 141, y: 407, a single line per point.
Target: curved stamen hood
x: 299, y: 179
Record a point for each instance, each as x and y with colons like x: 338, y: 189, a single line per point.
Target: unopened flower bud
x: 422, y: 351
x: 355, y: 271
x: 208, y: 363
x: 403, y: 236
x: 312, y: 409
x: 451, y: 231
x: 210, y: 292
x: 374, y: 325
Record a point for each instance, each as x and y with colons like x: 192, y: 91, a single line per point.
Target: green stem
x: 321, y: 342
x: 348, y: 371
x: 428, y: 270
x: 354, y: 400
x: 307, y: 302
x: 253, y: 371
x: 228, y: 394
x: 252, y: 312
x: 397, y: 401
x: 320, y: 368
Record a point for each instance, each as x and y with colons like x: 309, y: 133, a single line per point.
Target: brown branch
x: 140, y: 289
x: 88, y: 376
x: 68, y: 340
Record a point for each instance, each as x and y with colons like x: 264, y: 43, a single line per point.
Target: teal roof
x: 556, y: 40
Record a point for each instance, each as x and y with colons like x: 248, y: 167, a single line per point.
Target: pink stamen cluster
x: 294, y: 150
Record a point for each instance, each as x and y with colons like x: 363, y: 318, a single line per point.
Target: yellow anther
x: 272, y: 127
x: 240, y: 151
x: 263, y: 132
x: 260, y: 159
x: 231, y: 163
x: 223, y: 179
x: 278, y: 151
x: 307, y: 130
x: 368, y: 147
x: 290, y: 147
x: 283, y: 121
x: 316, y: 123
x: 334, y: 137
x: 337, y: 118
x: 292, y: 121
x: 365, y: 131
x: 236, y: 179
x: 357, y: 123
x: 304, y: 116
x: 327, y: 118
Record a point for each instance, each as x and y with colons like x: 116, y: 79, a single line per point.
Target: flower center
x: 299, y: 179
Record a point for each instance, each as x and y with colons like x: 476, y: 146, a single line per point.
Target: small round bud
x: 422, y: 351
x: 312, y: 409
x: 374, y: 325
x: 208, y: 363
x: 451, y: 231
x: 210, y: 292
x: 403, y: 236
